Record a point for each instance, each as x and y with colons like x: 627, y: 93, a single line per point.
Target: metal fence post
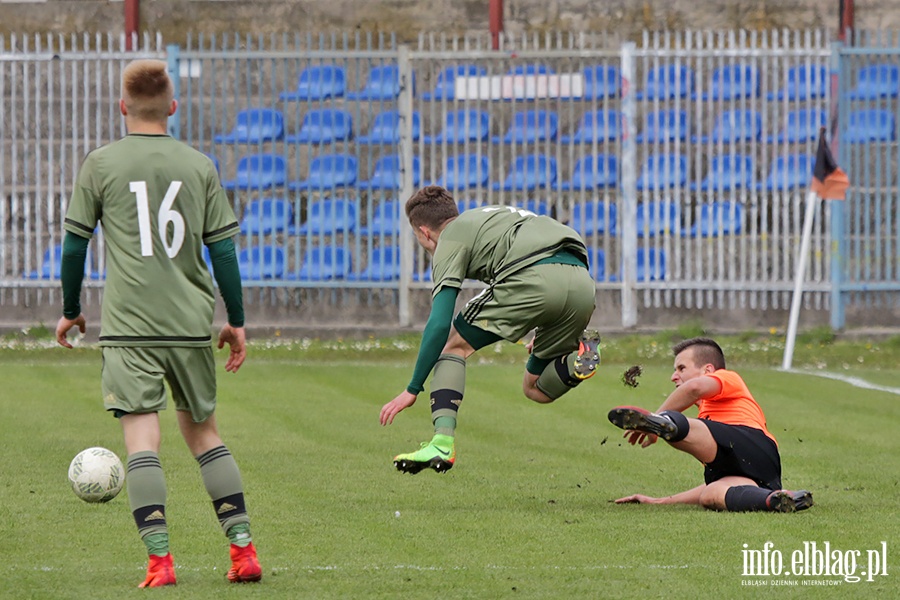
x: 405, y: 108
x: 173, y: 52
x: 628, y: 189
x: 838, y: 229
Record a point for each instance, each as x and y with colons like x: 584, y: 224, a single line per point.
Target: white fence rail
x: 683, y: 160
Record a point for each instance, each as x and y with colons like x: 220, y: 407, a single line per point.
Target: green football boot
x: 438, y: 454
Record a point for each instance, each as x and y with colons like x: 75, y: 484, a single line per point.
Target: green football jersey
x: 492, y: 242
x: 158, y: 202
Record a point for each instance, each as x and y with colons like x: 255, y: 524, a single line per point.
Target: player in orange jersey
x: 730, y: 438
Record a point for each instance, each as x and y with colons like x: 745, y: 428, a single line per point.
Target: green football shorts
x: 133, y: 379
x: 555, y: 299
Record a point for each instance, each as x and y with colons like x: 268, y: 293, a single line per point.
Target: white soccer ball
x: 96, y: 475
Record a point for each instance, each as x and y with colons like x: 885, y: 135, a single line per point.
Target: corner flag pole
x: 799, y: 276
x: 829, y: 182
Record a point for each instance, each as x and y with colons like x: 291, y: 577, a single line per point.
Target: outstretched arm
x: 690, y: 392
x: 679, y: 400
x: 687, y: 497
x: 434, y: 338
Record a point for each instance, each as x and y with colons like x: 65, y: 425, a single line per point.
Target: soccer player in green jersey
x: 536, y: 271
x: 159, y: 201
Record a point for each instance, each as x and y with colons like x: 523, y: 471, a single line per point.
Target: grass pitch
x: 525, y: 513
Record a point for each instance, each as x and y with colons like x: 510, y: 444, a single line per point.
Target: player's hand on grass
x: 237, y: 343
x: 640, y: 437
x: 392, y: 408
x: 63, y: 327
x: 636, y: 499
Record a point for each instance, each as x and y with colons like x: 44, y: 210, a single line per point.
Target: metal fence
x: 682, y: 159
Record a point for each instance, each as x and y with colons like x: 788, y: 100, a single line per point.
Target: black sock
x: 744, y: 498
x: 682, y: 426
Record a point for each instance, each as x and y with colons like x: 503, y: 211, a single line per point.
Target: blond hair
x: 147, y: 90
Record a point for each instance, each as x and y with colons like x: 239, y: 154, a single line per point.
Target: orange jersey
x: 733, y: 405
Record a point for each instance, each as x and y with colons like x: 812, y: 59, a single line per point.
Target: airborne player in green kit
x: 536, y: 271
x: 158, y: 202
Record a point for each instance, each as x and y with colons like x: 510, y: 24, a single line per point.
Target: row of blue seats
x: 662, y: 82
x: 528, y: 172
x: 319, y: 264
x: 328, y: 125
x: 332, y: 262
x: 341, y: 215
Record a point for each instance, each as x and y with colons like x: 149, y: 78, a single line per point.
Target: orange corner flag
x: 829, y: 180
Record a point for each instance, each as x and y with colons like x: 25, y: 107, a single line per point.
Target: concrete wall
x: 175, y: 18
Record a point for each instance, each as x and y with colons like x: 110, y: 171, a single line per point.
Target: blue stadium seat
x: 529, y: 172
x: 877, y: 81
x: 463, y: 126
x: 734, y: 126
x: 530, y: 126
x: 657, y: 218
x: 267, y: 215
x: 464, y: 205
x: 329, y: 216
x: 594, y: 217
x: 385, y: 219
x: 329, y: 171
x: 385, y: 128
x: 318, y: 83
x: 787, y: 173
x: 596, y: 126
x: 49, y: 264
x: 445, y: 88
x: 538, y: 207
x: 324, y: 263
x: 531, y: 69
x: 382, y: 83
x: 718, y: 218
x: 383, y: 265
x: 804, y: 82
x: 323, y: 126
x: 870, y: 125
x: 802, y: 126
x: 257, y: 263
x: 661, y: 171
x: 651, y: 264
x: 601, y: 81
x: 254, y: 125
x: 728, y: 172
x: 733, y: 81
x: 664, y: 126
x: 258, y: 172
x: 386, y: 174
x: 464, y: 171
x: 422, y: 277
x: 666, y: 82
x: 597, y: 263
x: 592, y: 172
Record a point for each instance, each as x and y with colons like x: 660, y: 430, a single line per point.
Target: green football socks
x: 147, y: 497
x: 448, y: 383
x: 223, y: 484
x: 558, y: 377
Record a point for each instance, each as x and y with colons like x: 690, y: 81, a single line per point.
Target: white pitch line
x: 854, y: 381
